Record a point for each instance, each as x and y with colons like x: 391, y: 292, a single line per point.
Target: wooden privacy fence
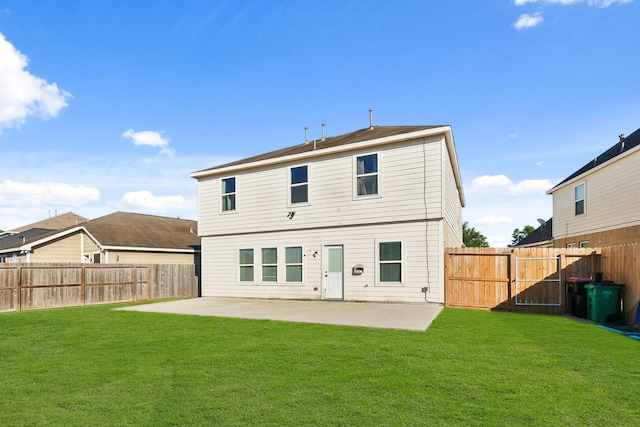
x: 530, y: 280
x: 33, y: 286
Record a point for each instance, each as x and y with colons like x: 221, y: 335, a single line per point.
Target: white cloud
x: 503, y: 185
x: 150, y: 138
x: 539, y: 164
x: 147, y: 201
x: 527, y: 21
x: 495, y: 220
x: 14, y: 193
x: 23, y: 94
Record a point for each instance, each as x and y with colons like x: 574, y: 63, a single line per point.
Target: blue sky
x: 109, y: 105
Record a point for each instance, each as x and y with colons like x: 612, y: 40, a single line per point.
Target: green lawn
x: 92, y: 366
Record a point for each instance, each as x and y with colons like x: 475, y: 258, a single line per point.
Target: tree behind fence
x: 33, y: 286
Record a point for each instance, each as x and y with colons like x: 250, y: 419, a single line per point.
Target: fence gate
x: 538, y: 282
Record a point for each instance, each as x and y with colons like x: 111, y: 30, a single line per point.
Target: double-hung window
x: 269, y: 264
x: 293, y: 261
x: 390, y: 262
x: 246, y: 265
x: 228, y: 194
x: 299, y: 184
x: 367, y: 175
x: 579, y: 199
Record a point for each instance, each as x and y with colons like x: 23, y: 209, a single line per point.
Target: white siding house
x: 599, y: 204
x: 363, y: 216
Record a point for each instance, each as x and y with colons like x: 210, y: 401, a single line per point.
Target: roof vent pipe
x: 621, y: 136
x: 322, y: 132
x: 370, y: 118
x: 306, y: 135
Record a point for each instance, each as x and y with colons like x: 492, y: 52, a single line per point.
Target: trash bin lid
x: 579, y: 280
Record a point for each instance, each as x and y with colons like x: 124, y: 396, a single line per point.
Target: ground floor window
x: 246, y: 265
x: 390, y: 262
x: 293, y: 263
x: 269, y: 264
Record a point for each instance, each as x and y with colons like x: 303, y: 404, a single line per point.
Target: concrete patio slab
x: 413, y: 317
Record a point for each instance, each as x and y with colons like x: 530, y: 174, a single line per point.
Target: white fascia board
x: 451, y: 148
x: 328, y: 151
x: 138, y: 249
x: 597, y: 168
x: 29, y: 246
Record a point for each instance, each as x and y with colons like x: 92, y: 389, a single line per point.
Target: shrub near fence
x: 33, y: 286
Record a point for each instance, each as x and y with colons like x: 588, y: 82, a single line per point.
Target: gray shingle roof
x: 620, y: 147
x: 125, y: 229
x: 348, y: 138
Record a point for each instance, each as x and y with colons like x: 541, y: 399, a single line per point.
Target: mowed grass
x: 95, y: 366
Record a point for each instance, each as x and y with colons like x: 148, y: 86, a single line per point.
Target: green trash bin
x: 602, y: 301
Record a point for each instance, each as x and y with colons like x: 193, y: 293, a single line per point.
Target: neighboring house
x: 116, y: 238
x: 56, y: 222
x: 363, y: 216
x: 541, y: 237
x: 599, y: 204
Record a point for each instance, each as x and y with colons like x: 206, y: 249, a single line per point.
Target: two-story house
x: 599, y: 204
x: 363, y: 216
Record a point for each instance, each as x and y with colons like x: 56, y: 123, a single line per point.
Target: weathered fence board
x: 530, y: 280
x: 32, y: 286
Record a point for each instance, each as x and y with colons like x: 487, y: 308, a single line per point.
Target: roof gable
x: 122, y: 229
x: 323, y: 144
x: 57, y: 222
x: 624, y: 145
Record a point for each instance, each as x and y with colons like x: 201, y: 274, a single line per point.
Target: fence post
x: 512, y: 281
x: 82, y: 289
x: 135, y: 283
x: 19, y: 290
x: 149, y: 282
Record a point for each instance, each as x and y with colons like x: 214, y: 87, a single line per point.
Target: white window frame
x: 301, y: 264
x: 253, y: 280
x: 583, y: 200
x: 223, y: 194
x: 571, y: 245
x: 378, y: 173
x: 276, y: 265
x: 290, y: 185
x: 402, y: 262
x: 584, y: 244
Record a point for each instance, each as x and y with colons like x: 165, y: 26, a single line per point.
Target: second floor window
x: 367, y: 175
x: 579, y: 199
x: 299, y: 182
x: 228, y: 194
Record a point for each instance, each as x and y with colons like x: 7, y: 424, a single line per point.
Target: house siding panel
x: 422, y: 258
x: 262, y: 195
x: 62, y: 250
x: 611, y: 202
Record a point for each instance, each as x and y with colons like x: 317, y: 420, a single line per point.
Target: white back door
x: 333, y: 284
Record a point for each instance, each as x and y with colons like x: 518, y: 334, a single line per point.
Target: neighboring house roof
x: 57, y: 222
x: 540, y: 236
x: 25, y: 237
x: 623, y: 146
x: 131, y: 230
x: 120, y: 230
x: 377, y: 134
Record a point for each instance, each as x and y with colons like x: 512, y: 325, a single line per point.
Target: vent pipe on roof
x: 306, y: 135
x: 621, y: 136
x: 322, y: 132
x: 370, y: 119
